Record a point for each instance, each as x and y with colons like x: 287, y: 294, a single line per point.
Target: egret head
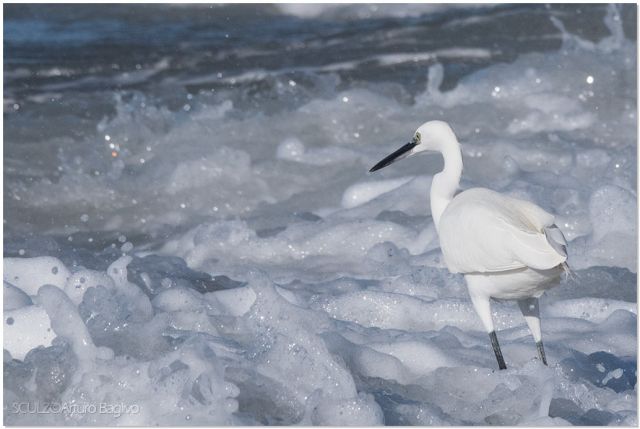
x: 432, y: 136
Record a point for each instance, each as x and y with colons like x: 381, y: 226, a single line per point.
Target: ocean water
x: 191, y: 236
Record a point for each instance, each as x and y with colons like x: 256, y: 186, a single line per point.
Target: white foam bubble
x: 26, y: 328
x: 361, y: 193
x: 29, y: 274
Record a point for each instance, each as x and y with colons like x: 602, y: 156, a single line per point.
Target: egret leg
x: 531, y: 312
x: 483, y: 307
x: 496, y: 350
x: 540, y: 347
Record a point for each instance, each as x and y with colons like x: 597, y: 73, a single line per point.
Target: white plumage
x: 482, y: 231
x: 507, y: 248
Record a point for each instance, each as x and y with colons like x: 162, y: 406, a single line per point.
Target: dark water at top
x: 94, y: 48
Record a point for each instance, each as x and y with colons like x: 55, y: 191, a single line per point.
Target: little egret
x: 506, y: 248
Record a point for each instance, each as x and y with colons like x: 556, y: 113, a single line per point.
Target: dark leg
x: 530, y: 311
x: 541, y: 352
x: 497, y: 351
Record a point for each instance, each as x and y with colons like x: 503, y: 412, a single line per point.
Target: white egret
x: 506, y: 248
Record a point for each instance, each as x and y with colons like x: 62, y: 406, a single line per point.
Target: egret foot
x: 497, y: 351
x: 543, y: 358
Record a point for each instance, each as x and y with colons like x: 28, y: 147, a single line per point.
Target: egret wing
x: 484, y: 231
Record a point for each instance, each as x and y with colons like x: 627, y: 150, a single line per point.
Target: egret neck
x: 446, y: 183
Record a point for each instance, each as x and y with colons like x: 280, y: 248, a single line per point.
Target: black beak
x: 395, y: 156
